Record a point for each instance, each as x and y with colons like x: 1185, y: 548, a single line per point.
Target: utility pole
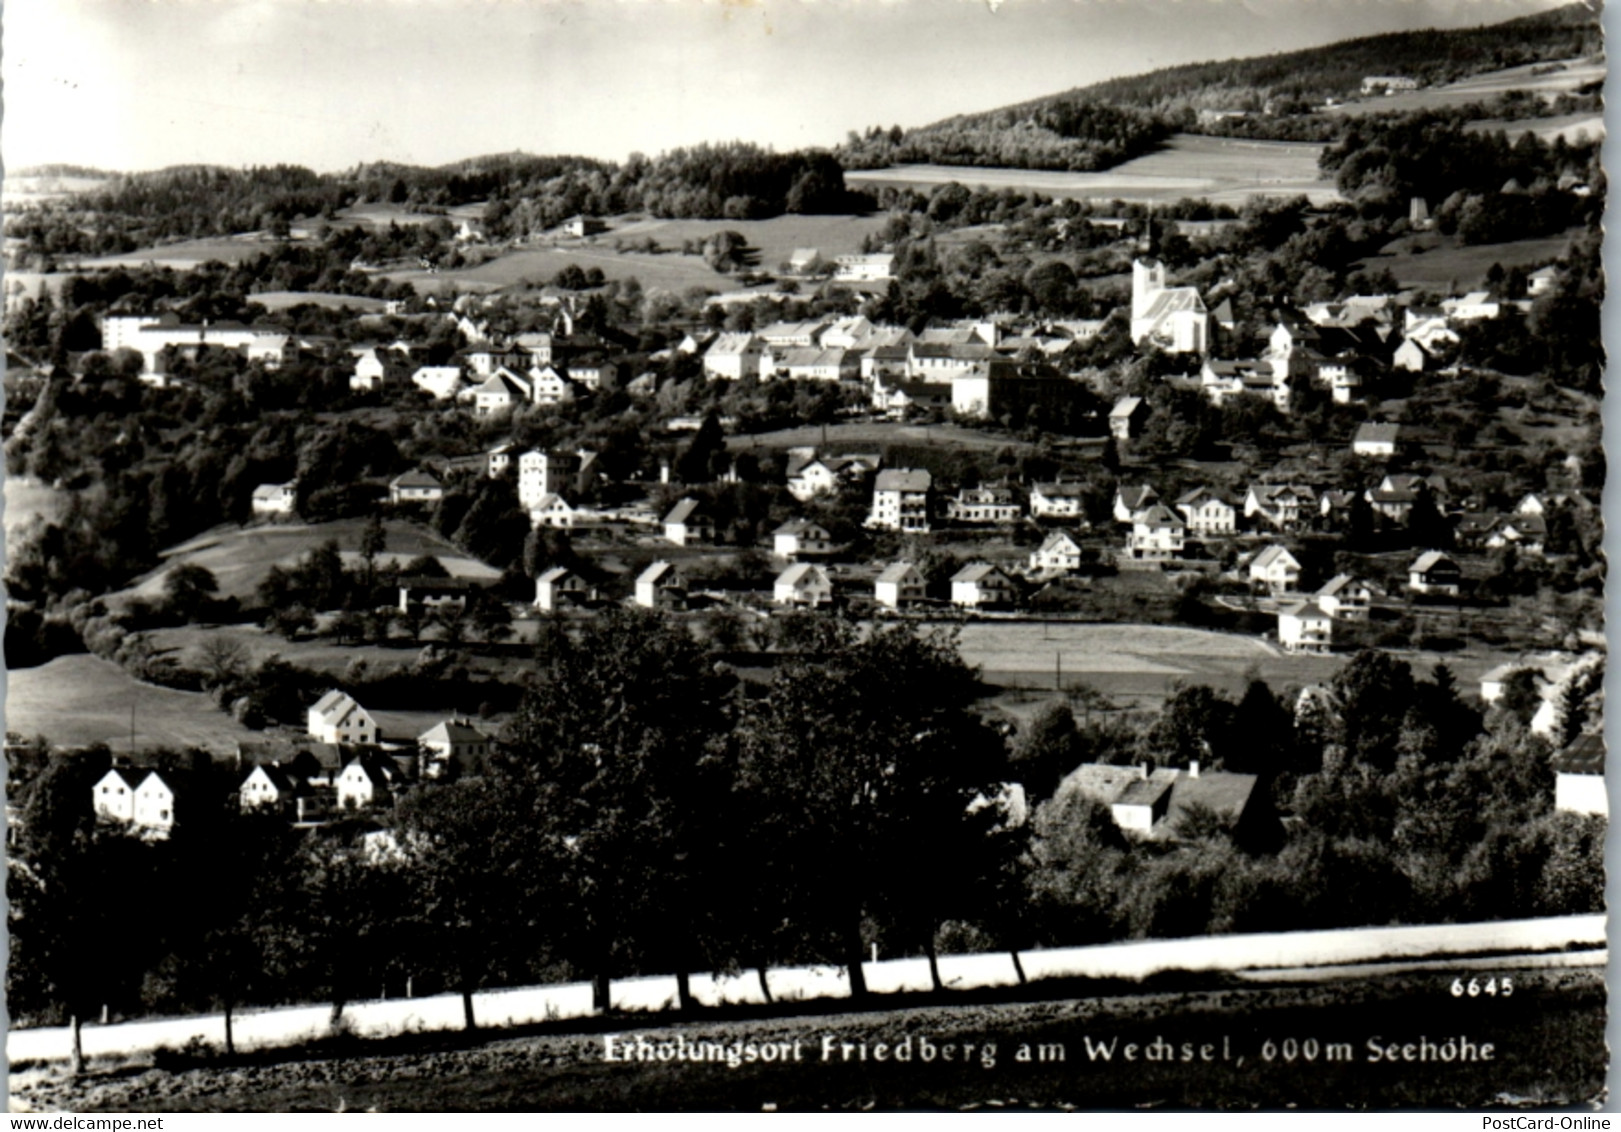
x: 1058, y: 670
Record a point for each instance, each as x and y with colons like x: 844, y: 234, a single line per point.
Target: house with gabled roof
x: 1283, y: 506
x: 901, y: 500
x: 1579, y: 777
x: 1434, y: 573
x: 900, y: 584
x: 275, y: 498
x: 1058, y: 500
x: 453, y: 745
x: 501, y: 392
x: 1059, y: 553
x: 272, y: 786
x: 1345, y: 598
x: 1376, y: 439
x: 113, y: 795
x: 803, y: 584
x: 981, y: 585
x: 984, y: 505
x: 415, y: 487
x: 1207, y: 512
x: 1276, y: 569
x: 1157, y: 534
x: 687, y: 524
x: 1127, y: 418
x: 337, y: 718
x: 553, y: 511
x: 661, y: 586
x: 1154, y: 802
x: 367, y: 780
x: 800, y: 536
x: 557, y: 587
x: 1304, y: 626
x: 1129, y: 499
x: 812, y: 475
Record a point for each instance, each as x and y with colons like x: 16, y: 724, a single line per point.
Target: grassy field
x: 871, y: 433
x: 1568, y: 126
x: 241, y: 557
x: 281, y: 300
x: 76, y: 700
x: 1062, y: 1053
x: 1433, y: 262
x: 1479, y: 88
x: 27, y: 499
x: 539, y: 265
x: 187, y: 253
x: 1230, y: 170
x: 775, y: 239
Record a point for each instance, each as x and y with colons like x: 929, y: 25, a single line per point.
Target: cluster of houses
x: 345, y: 765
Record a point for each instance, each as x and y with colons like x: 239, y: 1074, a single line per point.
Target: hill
x: 1099, y: 126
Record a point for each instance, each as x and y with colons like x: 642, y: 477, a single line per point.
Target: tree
x: 862, y: 765
x: 186, y: 588
x: 224, y: 661
x: 616, y: 745
x: 1047, y: 748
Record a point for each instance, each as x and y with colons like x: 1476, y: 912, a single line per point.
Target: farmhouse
x: 898, y: 585
x: 661, y: 586
x: 419, y: 591
x: 1375, y: 440
x: 1129, y: 500
x: 368, y: 780
x: 453, y: 745
x: 113, y: 796
x: 557, y: 587
x: 1157, y: 803
x: 1305, y: 626
x: 813, y: 476
x: 980, y: 584
x: 733, y: 355
x: 550, y: 387
x: 552, y: 511
x: 336, y: 718
x: 900, y: 500
x: 874, y: 267
x: 282, y: 789
x: 275, y: 498
x: 415, y: 487
x: 1284, y: 506
x: 803, y: 583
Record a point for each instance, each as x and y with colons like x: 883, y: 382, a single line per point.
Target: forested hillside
x: 1099, y: 126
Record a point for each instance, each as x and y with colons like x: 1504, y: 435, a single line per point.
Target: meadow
x: 847, y: 437
x: 241, y: 557
x: 81, y: 699
x: 1225, y: 170
x: 1573, y: 73
x: 1433, y: 262
x: 281, y: 300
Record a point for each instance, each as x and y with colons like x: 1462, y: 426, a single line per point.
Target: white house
x: 1375, y: 439
x: 452, y: 742
x: 1207, y: 512
x: 898, y: 585
x: 900, y: 500
x: 1130, y: 499
x: 544, y: 473
x: 1059, y: 553
x: 444, y: 382
x: 366, y: 782
x: 803, y: 583
x: 800, y: 536
x: 1127, y: 417
x: 980, y: 584
x: 871, y: 267
x: 733, y: 355
x: 1058, y: 501
x: 984, y: 505
x: 549, y: 386
x: 1276, y: 569
x: 1304, y: 627
x: 154, y: 806
x: 271, y: 787
x: 336, y: 718
x: 1344, y: 598
x: 1157, y: 533
x: 552, y: 511
x: 370, y: 372
x: 825, y: 475
x: 1579, y: 777
x: 275, y: 498
x: 1284, y: 506
x: 686, y: 524
x: 660, y: 586
x: 501, y: 392
x: 113, y: 796
x: 558, y: 586
x: 1435, y: 573
x: 415, y: 487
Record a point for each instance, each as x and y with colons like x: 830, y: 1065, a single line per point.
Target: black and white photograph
x: 804, y: 556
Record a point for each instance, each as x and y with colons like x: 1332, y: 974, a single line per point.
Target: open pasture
x: 241, y: 557
x: 187, y: 254
x: 1433, y: 262
x: 1571, y: 75
x: 848, y: 437
x: 539, y: 264
x: 1230, y: 170
x: 282, y: 300
x: 775, y: 239
x: 81, y: 699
